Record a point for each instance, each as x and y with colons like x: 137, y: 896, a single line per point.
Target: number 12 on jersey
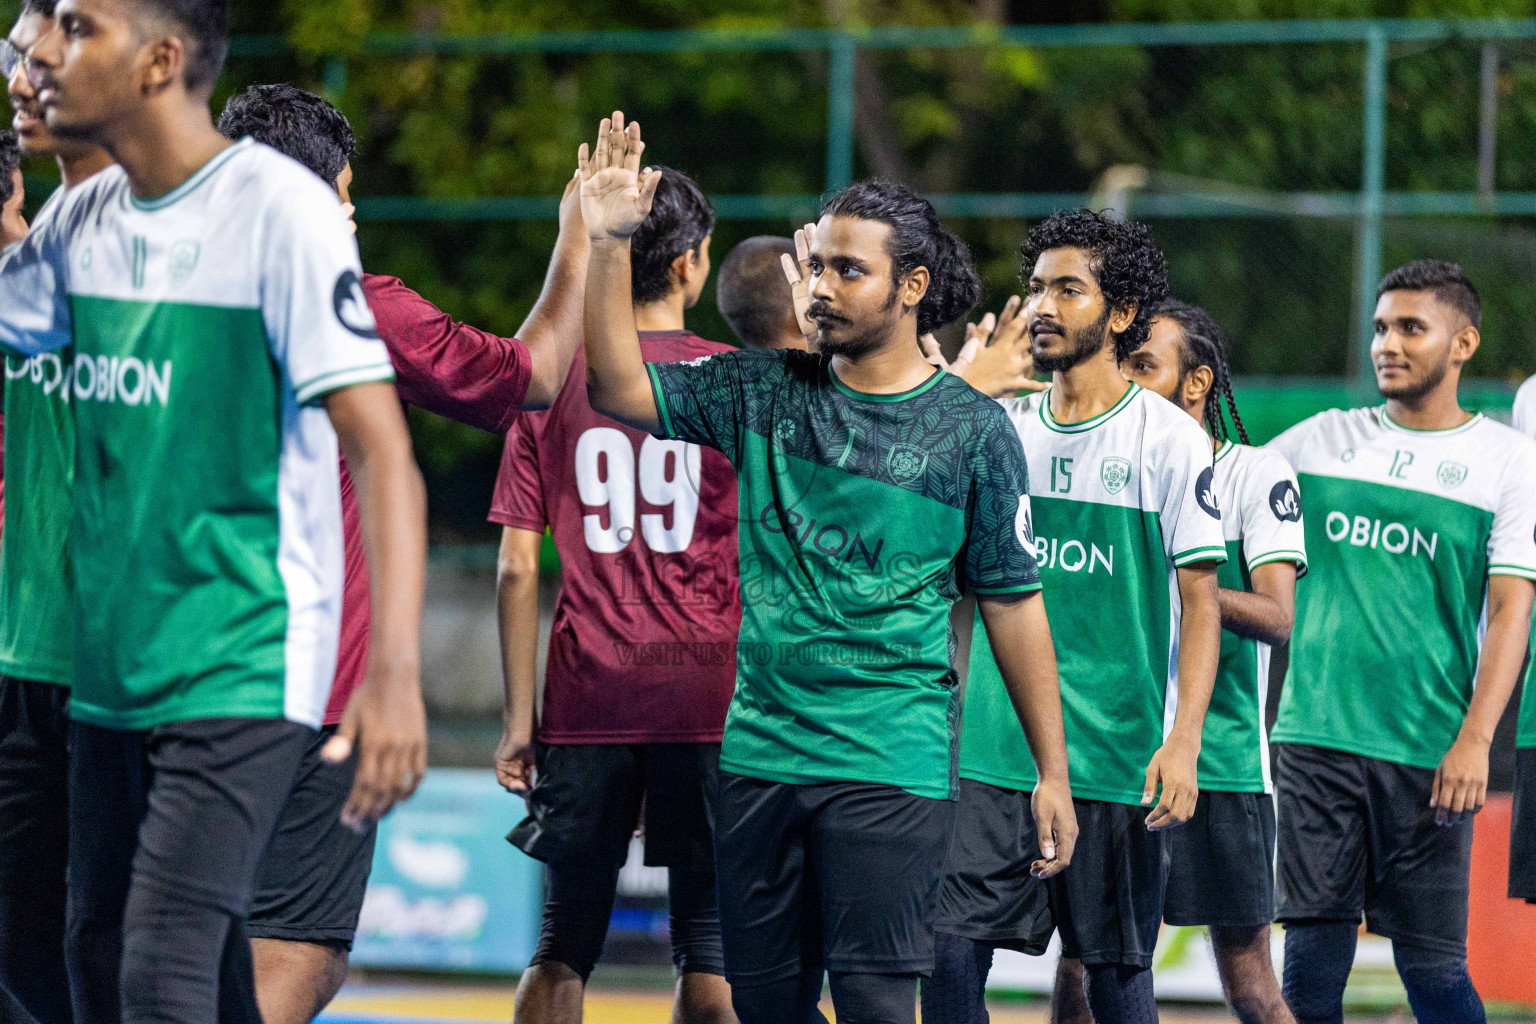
x: 607, y: 472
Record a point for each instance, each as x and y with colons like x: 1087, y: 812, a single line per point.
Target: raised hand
x: 798, y: 274
x: 996, y: 358
x: 616, y: 195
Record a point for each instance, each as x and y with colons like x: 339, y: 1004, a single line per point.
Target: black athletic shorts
x: 1357, y: 834
x: 1109, y: 903
x: 988, y: 893
x: 586, y: 800
x: 1222, y: 863
x: 843, y: 875
x: 34, y: 843
x: 311, y: 880
x: 1522, y: 829
x: 167, y: 827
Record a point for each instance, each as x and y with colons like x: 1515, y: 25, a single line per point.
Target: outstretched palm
x: 615, y: 195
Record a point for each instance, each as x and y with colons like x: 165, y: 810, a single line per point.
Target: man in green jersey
x: 1411, y: 630
x: 206, y: 530
x: 36, y: 632
x: 1128, y: 535
x: 1222, y: 874
x: 872, y: 489
x: 1522, y: 830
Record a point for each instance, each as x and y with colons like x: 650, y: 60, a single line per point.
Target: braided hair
x: 1204, y: 345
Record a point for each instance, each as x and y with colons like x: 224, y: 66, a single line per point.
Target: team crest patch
x: 784, y: 431
x: 906, y: 463
x: 1115, y: 473
x: 184, y: 257
x: 1451, y: 474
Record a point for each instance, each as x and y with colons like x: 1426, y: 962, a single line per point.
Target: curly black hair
x: 680, y: 219
x: 10, y: 159
x: 296, y: 123
x: 1205, y: 345
x: 917, y: 240
x: 1127, y: 263
x: 1450, y: 285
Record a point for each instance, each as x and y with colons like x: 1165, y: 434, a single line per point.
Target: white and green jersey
x: 36, y: 596
x: 206, y: 524
x: 1404, y: 527
x: 1525, y: 422
x: 1118, y: 503
x: 1261, y: 521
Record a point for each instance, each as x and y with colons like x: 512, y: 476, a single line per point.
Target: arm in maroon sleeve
x: 446, y: 367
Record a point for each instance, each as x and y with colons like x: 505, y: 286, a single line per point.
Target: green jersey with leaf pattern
x: 1120, y: 501
x: 206, y: 523
x: 861, y: 518
x: 1404, y: 528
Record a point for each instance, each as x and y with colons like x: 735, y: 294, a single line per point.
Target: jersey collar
x: 189, y: 186
x: 1078, y: 428
x: 1391, y: 424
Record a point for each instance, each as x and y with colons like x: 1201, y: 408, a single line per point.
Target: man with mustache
x: 873, y: 487
x: 1411, y: 631
x: 1128, y: 536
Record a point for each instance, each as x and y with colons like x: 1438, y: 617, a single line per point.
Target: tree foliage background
x: 1272, y: 118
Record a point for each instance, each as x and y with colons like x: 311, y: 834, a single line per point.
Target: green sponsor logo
x: 1115, y: 473
x: 1451, y: 474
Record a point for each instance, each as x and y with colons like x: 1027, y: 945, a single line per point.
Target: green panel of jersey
x: 1120, y: 501
x: 206, y: 525
x: 36, y: 599
x: 1261, y: 519
x: 1525, y: 422
x: 862, y: 516
x: 1404, y: 527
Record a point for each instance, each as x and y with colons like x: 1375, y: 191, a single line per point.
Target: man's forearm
x: 1020, y: 635
x: 1498, y: 669
x: 1199, y: 651
x: 617, y: 384
x: 517, y: 606
x: 1254, y: 616
x: 392, y: 513
x: 552, y: 330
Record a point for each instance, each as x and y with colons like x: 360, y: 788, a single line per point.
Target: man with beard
x: 1128, y: 536
x: 1420, y: 523
x: 872, y: 487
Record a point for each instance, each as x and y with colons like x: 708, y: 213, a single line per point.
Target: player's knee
x: 577, y: 907
x: 875, y: 998
x: 788, y: 1001
x: 1318, y: 958
x: 1440, y: 989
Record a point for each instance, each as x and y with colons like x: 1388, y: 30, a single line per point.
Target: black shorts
x: 988, y: 893
x: 167, y: 827
x: 34, y: 843
x: 1109, y: 904
x: 842, y: 876
x: 1522, y: 829
x: 1222, y: 863
x: 312, y: 878
x: 586, y: 800
x: 1357, y: 834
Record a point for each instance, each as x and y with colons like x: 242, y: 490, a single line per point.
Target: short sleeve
x: 1272, y: 528
x: 703, y: 401
x: 318, y: 322
x: 33, y: 284
x: 1512, y: 542
x: 1000, y: 546
x: 1190, y: 516
x: 518, y: 501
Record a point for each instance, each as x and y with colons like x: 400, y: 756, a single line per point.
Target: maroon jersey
x: 643, y: 646
x: 444, y: 367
